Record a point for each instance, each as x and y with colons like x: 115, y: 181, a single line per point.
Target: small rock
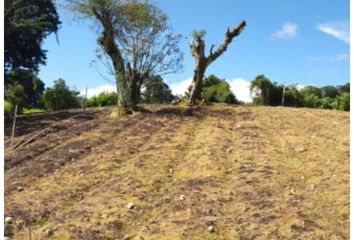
x: 126, y: 237
x: 229, y: 149
x: 8, y: 220
x: 333, y: 175
x: 130, y: 205
x: 20, y: 188
x: 48, y: 232
x: 170, y: 170
x: 302, y: 177
x: 301, y: 150
x: 9, y: 230
x: 182, y: 197
x: 312, y: 186
x: 211, y: 228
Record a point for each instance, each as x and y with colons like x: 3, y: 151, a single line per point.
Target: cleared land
x: 252, y: 172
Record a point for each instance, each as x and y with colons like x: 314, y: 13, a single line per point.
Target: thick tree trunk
x: 134, y: 87
x: 107, y: 42
x: 200, y: 67
x: 197, y: 84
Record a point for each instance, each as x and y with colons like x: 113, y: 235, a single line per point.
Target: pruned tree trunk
x: 107, y: 42
x: 202, y: 62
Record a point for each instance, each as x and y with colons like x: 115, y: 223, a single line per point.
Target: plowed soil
x: 250, y: 172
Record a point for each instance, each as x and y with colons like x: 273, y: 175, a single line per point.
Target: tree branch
x: 229, y: 36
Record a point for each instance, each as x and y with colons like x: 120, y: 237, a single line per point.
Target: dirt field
x: 242, y: 172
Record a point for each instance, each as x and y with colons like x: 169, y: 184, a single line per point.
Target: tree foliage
x: 217, y: 90
x: 327, y: 97
x: 32, y: 85
x: 266, y: 92
x: 156, y: 91
x: 60, y: 97
x: 27, y: 23
x: 103, y: 99
x: 136, y: 42
x: 16, y: 95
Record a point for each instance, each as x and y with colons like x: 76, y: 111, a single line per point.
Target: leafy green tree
x: 103, y: 99
x: 311, y: 91
x: 344, y: 88
x: 16, y: 95
x: 32, y: 85
x: 136, y: 40
x: 266, y: 92
x: 60, y: 97
x: 329, y: 91
x: 342, y: 102
x: 293, y: 97
x: 27, y: 23
x: 217, y: 90
x: 156, y: 91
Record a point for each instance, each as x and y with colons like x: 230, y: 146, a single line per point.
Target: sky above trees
x: 291, y: 42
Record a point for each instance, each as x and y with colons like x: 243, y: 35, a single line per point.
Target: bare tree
x: 137, y: 40
x: 202, y: 62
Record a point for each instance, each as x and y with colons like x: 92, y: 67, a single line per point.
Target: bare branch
x: 229, y: 36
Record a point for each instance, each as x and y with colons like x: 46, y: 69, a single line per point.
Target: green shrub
x: 217, y: 90
x: 8, y: 111
x: 342, y: 102
x: 60, y: 97
x: 16, y: 95
x: 103, y: 99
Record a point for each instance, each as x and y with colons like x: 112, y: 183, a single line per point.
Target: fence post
x: 85, y: 101
x: 283, y: 96
x: 13, y: 126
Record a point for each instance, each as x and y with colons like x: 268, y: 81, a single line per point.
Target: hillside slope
x: 250, y: 172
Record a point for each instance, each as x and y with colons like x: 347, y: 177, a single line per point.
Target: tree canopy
x: 155, y: 90
x: 217, y: 90
x: 27, y: 23
x: 60, y: 97
x: 136, y: 42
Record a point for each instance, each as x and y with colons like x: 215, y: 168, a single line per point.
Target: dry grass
x: 252, y: 172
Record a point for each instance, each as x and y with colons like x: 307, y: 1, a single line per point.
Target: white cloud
x: 339, y: 30
x: 241, y: 88
x: 336, y: 58
x: 97, y: 90
x: 288, y: 30
x: 179, y: 88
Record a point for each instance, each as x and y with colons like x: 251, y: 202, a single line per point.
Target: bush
x: 8, y: 111
x: 16, y: 95
x: 60, y: 97
x: 342, y: 102
x: 103, y: 99
x: 155, y: 90
x: 217, y: 90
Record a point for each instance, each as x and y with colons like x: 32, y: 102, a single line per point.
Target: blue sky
x: 292, y: 42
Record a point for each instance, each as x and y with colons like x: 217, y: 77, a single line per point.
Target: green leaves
x: 60, y: 97
x: 217, y: 90
x: 27, y: 24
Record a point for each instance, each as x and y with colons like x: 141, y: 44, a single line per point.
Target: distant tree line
x: 270, y: 93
